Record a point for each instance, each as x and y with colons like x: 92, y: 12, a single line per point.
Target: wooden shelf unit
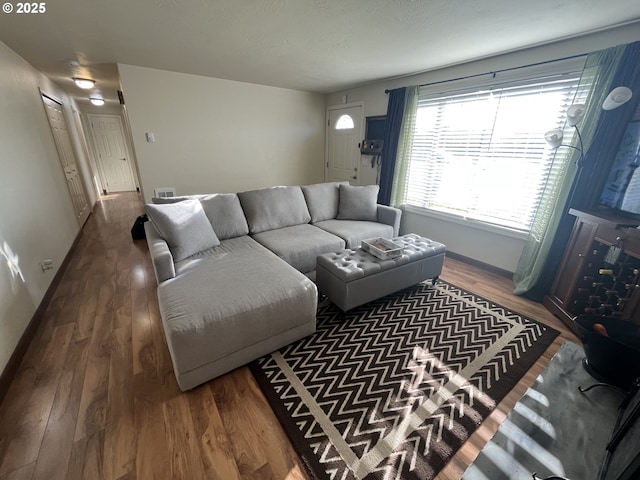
x: 579, y: 287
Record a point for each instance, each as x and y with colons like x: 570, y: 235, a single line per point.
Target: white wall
x: 37, y: 220
x: 502, y: 251
x: 216, y: 135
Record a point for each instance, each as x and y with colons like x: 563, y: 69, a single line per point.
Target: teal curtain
x: 596, y: 82
x: 405, y: 144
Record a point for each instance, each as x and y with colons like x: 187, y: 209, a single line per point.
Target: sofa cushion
x: 184, y: 226
x: 227, y: 303
x: 322, y: 200
x: 299, y: 245
x: 225, y: 214
x: 358, y: 203
x: 236, y: 246
x: 272, y: 208
x: 354, y: 231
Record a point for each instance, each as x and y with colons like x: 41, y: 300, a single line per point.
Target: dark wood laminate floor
x: 95, y: 397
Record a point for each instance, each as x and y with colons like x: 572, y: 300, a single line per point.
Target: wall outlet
x: 46, y: 265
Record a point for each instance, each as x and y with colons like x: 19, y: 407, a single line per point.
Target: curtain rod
x: 493, y: 73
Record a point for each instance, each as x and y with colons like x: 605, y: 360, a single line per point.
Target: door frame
x: 98, y: 161
x: 90, y: 184
x: 327, y: 130
x: 74, y: 153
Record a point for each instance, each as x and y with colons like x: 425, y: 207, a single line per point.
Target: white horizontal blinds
x: 482, y: 155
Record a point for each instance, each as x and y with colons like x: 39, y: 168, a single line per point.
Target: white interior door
x: 344, y: 134
x: 113, y: 158
x: 67, y: 158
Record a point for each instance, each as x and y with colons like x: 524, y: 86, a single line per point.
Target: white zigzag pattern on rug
x: 368, y: 371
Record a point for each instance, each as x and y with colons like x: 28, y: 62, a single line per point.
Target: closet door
x: 67, y: 159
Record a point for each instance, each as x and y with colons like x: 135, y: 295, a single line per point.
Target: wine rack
x: 606, y: 288
x: 600, y: 271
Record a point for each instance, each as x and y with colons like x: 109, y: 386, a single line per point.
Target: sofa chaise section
x: 224, y: 311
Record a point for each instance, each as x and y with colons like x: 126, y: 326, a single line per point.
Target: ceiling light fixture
x: 98, y: 102
x: 84, y: 82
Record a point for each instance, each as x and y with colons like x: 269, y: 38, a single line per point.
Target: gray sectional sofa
x: 236, y: 272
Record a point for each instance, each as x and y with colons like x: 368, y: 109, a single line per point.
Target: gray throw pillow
x: 184, y: 226
x: 322, y: 200
x: 358, y: 203
x: 225, y: 214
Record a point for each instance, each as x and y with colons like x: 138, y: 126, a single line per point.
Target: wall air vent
x: 164, y: 192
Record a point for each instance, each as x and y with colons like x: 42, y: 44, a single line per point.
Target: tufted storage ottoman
x: 353, y: 277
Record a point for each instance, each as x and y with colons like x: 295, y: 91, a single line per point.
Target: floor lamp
x: 575, y: 113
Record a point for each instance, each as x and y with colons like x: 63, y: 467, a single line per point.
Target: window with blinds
x: 482, y: 155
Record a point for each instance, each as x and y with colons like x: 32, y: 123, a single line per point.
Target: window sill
x: 475, y: 224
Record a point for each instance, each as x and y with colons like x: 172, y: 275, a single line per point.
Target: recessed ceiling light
x: 97, y: 101
x: 84, y: 82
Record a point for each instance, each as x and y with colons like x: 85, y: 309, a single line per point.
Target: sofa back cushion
x: 181, y: 198
x: 358, y: 203
x: 184, y: 226
x: 225, y: 214
x: 322, y: 200
x: 276, y: 207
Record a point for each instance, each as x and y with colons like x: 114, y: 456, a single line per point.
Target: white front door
x: 113, y: 158
x: 67, y: 158
x: 344, y: 134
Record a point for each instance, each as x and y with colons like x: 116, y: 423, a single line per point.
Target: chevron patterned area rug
x: 392, y: 389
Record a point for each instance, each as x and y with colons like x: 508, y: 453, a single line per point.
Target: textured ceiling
x: 312, y: 45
